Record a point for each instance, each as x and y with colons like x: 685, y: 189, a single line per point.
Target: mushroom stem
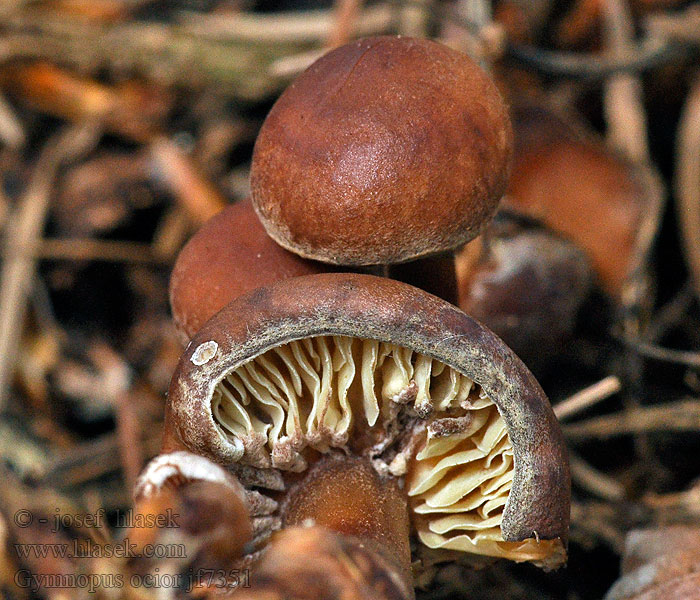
x: 434, y: 274
x: 346, y: 495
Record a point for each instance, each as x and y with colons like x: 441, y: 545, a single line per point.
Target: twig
x: 92, y: 460
x: 594, y: 481
x: 643, y: 56
x: 656, y: 352
x: 587, y: 397
x: 118, y: 383
x: 670, y: 314
x: 298, y: 27
x: 626, y: 121
x: 681, y: 415
x: 192, y: 190
x: 687, y: 180
x: 25, y: 227
x: 88, y: 249
x: 11, y: 130
x: 413, y: 18
x: 345, y: 13
x: 683, y: 26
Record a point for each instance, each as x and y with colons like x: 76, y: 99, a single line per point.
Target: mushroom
x: 190, y: 499
x: 384, y: 151
x: 230, y: 255
x: 384, y: 371
x: 526, y: 284
x: 346, y: 535
x: 565, y: 177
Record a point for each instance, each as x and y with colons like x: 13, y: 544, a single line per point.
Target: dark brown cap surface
x: 229, y: 256
x: 384, y: 150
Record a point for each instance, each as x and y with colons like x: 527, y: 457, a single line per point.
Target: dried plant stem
x: 88, y: 249
x: 681, y: 415
x: 688, y: 183
x: 11, y: 130
x: 25, y: 228
x: 681, y: 26
x: 298, y: 27
x: 626, y: 120
x: 653, y: 351
x: 594, y: 481
x: 234, y: 54
x: 192, y: 190
x: 587, y: 397
x: 345, y: 13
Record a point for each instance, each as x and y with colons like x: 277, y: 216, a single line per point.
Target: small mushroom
x: 196, y: 504
x: 381, y: 370
x: 526, y: 284
x: 346, y: 533
x: 385, y: 150
x: 346, y: 495
x: 566, y: 178
x: 230, y: 255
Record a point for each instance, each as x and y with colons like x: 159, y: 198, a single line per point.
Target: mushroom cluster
x: 363, y: 416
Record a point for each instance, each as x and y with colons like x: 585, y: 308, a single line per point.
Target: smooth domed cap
x: 229, y: 256
x: 384, y: 150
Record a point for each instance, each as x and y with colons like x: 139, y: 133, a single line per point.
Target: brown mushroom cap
x: 230, y: 380
x: 570, y: 181
x: 384, y: 150
x: 527, y: 285
x: 229, y: 256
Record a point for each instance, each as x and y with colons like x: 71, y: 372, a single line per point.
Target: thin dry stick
x: 11, y: 130
x: 688, y: 183
x: 681, y: 26
x: 298, y: 27
x: 345, y: 13
x: 595, y: 481
x: 89, y: 249
x: 653, y: 351
x: 192, y: 190
x: 625, y: 117
x: 117, y: 380
x: 681, y: 415
x: 413, y: 18
x: 26, y: 226
x: 587, y: 397
x: 130, y: 448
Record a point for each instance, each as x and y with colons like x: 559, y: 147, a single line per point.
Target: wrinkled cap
x: 384, y: 150
x: 380, y: 369
x: 230, y: 255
